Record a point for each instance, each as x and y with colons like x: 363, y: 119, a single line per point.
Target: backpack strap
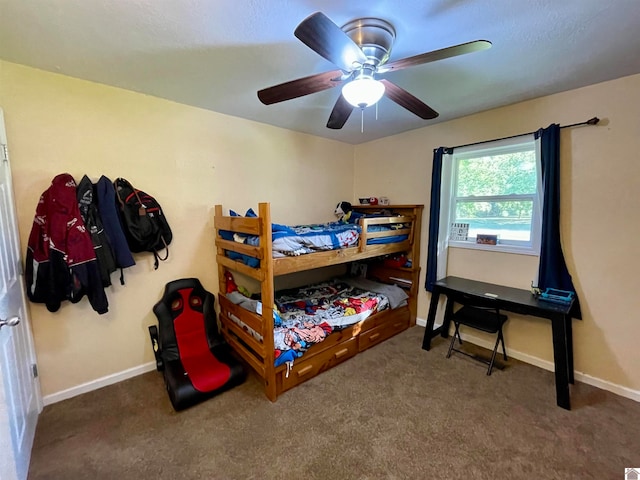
x: 117, y: 190
x: 157, y: 256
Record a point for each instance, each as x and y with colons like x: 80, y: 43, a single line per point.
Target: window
x: 495, y: 189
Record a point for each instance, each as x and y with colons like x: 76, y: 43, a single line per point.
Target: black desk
x: 518, y: 301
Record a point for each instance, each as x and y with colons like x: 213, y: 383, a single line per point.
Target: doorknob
x: 10, y: 322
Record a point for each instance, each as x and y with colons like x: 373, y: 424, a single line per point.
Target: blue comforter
x: 302, y: 239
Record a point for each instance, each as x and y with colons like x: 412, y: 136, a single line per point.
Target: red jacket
x: 61, y: 264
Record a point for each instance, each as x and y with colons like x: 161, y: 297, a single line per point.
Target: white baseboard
x: 538, y: 362
x: 98, y: 383
x: 524, y: 357
x: 421, y: 322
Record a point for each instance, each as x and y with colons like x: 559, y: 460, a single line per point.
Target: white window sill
x: 502, y: 248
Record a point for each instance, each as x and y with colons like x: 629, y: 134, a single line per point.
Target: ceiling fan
x: 360, y: 49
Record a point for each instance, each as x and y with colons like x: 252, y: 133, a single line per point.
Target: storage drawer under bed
x: 307, y: 369
x: 381, y: 332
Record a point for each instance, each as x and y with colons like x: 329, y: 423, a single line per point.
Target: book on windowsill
x: 485, y: 239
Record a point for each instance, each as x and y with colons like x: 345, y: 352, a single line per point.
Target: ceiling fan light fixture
x: 363, y: 91
x: 360, y: 49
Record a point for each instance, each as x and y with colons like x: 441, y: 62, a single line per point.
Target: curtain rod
x: 591, y: 121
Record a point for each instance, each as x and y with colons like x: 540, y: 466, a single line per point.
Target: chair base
x: 183, y: 394
x: 498, y: 364
x: 491, y: 363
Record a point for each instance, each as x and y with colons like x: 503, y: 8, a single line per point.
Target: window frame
x: 449, y: 199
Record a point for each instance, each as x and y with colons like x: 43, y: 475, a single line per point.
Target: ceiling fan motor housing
x: 374, y: 36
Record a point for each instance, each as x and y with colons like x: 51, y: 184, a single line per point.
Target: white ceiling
x: 216, y: 54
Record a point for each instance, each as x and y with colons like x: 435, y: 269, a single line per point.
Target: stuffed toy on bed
x: 343, y: 211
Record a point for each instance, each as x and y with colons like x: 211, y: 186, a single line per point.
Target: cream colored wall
x: 189, y: 159
x: 599, y: 216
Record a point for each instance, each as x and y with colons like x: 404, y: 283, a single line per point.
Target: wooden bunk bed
x: 340, y: 345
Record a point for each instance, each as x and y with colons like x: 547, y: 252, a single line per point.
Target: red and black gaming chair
x: 196, y: 361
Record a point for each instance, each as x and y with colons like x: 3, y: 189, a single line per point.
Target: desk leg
x: 560, y: 358
x: 431, y: 319
x: 569, y: 330
x: 446, y: 321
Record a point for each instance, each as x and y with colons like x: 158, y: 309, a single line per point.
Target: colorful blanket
x: 306, y: 316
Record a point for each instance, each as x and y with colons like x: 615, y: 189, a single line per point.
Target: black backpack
x: 145, y: 226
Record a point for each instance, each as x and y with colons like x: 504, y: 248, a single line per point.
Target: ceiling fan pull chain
x: 362, y: 120
x: 376, y: 112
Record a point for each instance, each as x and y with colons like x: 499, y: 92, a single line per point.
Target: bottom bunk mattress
x: 306, y: 316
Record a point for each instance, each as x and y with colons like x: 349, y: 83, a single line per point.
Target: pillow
x: 250, y: 239
x: 276, y: 227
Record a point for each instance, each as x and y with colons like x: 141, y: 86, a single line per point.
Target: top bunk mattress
x: 303, y: 239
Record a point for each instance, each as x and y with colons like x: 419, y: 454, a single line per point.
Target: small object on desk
x: 492, y: 295
x: 535, y: 290
x: 557, y: 296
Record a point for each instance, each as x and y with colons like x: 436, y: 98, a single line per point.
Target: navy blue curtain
x: 434, y: 219
x: 553, y: 272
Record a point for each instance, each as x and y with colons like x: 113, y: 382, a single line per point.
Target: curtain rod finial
x: 593, y: 121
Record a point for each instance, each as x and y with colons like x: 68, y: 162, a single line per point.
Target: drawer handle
x: 374, y: 336
x: 396, y: 325
x: 304, y: 370
x: 341, y: 353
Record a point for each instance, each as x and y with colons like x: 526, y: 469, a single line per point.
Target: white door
x: 20, y: 401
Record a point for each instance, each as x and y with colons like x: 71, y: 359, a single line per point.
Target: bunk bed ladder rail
x: 242, y: 341
x: 267, y: 292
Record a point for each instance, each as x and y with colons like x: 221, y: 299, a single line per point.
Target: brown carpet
x: 393, y: 412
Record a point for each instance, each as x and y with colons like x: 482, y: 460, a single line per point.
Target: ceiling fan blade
x: 325, y: 38
x: 340, y: 113
x: 435, y: 55
x: 300, y: 87
x: 408, y: 101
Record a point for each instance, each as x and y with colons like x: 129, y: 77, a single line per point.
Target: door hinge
x: 34, y: 369
x: 5, y: 153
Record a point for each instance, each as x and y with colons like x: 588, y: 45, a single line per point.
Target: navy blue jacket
x: 111, y: 222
